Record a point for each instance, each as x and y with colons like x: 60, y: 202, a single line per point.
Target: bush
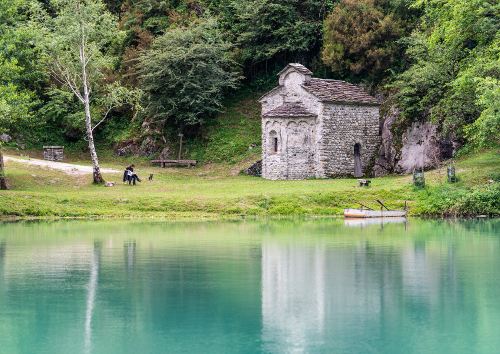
x: 185, y: 75
x: 449, y: 201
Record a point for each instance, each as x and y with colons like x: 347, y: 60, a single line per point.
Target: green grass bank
x: 218, y: 191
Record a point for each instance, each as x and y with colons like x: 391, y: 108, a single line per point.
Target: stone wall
x: 295, y: 158
x: 342, y: 126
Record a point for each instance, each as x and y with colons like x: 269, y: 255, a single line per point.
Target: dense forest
x: 154, y: 68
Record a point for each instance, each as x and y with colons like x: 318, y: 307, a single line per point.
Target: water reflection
x: 91, y: 293
x: 360, y: 222
x: 250, y: 287
x: 368, y: 296
x: 129, y: 254
x: 293, y: 295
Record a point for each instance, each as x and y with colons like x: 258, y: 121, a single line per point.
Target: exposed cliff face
x: 387, y: 157
x: 422, y: 147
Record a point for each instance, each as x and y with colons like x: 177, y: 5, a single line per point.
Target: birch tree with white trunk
x: 80, y: 41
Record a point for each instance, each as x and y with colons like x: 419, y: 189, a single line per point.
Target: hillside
x: 160, y: 68
x: 234, y: 136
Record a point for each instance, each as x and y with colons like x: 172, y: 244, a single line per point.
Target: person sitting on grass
x: 133, y: 178
x: 127, y: 174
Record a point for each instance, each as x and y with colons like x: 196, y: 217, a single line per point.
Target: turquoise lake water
x: 293, y: 286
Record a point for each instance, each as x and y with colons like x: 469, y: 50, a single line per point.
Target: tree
x: 3, y: 181
x: 454, y: 75
x: 18, y: 75
x: 360, y: 39
x: 185, y: 75
x: 270, y: 33
x: 143, y: 20
x: 79, y: 40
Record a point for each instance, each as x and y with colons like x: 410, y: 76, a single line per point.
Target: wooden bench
x: 174, y: 163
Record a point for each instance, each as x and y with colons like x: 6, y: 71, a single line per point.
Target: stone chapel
x: 317, y: 128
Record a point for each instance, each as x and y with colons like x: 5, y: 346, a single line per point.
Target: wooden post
x: 452, y: 177
x: 180, y: 146
x: 418, y: 178
x: 3, y: 181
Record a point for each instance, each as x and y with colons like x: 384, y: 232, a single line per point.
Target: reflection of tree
x: 129, y: 254
x: 3, y: 246
x: 91, y: 293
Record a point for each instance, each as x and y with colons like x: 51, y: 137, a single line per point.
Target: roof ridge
x: 330, y: 90
x: 334, y: 80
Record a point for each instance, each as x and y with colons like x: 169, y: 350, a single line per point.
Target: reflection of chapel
x: 317, y: 128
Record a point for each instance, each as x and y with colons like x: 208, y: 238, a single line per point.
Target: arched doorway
x: 358, y: 171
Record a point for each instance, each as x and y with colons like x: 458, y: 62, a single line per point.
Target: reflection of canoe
x: 364, y: 213
x: 372, y: 221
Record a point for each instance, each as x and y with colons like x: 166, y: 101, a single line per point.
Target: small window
x: 273, y: 142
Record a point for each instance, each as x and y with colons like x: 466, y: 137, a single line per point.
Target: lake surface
x: 310, y: 286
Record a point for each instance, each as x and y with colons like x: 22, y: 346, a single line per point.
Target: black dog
x: 150, y: 177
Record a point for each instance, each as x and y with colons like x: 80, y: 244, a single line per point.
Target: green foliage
x: 18, y: 70
x: 232, y: 136
x: 360, y: 39
x: 264, y: 29
x: 268, y: 34
x: 60, y: 37
x: 185, y: 75
x: 442, y: 57
x: 62, y: 111
x: 453, y: 79
x: 448, y: 201
x: 485, y: 130
x: 62, y: 31
x: 143, y: 20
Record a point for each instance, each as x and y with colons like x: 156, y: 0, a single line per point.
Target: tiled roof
x: 299, y: 67
x: 289, y: 110
x: 338, y: 91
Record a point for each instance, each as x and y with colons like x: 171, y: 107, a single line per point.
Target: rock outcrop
x: 422, y: 146
x: 147, y: 147
x: 254, y: 170
x: 387, y: 157
x: 5, y: 138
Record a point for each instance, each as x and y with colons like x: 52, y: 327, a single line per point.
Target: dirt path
x: 68, y: 168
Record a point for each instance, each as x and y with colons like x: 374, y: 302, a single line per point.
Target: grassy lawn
x: 214, y: 191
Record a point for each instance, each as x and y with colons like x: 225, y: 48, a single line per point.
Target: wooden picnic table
x: 172, y: 163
